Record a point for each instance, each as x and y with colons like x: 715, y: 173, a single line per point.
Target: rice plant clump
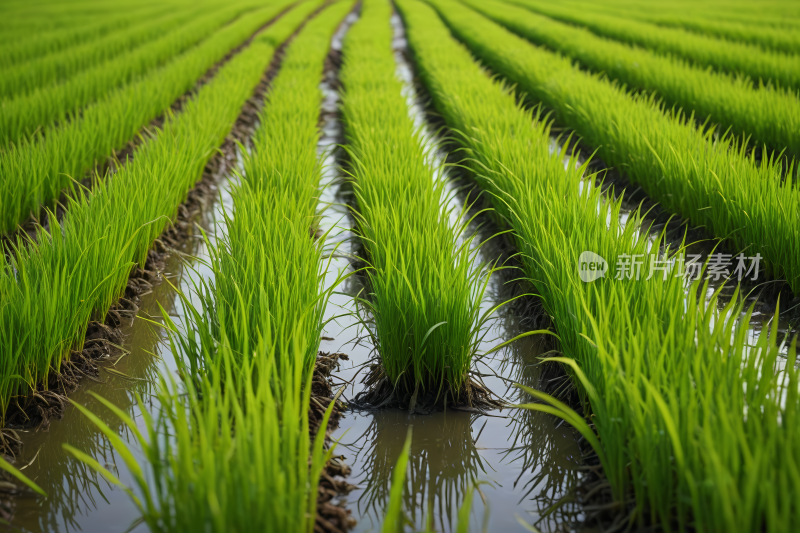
x: 424, y: 290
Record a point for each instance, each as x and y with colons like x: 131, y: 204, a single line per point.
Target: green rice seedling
x: 237, y: 455
x: 766, y: 115
x: 777, y: 15
x: 21, y: 79
x: 35, y: 172
x: 231, y: 453
x: 424, y: 291
x: 394, y: 513
x: 724, y: 56
x: 687, y: 416
x: 768, y: 38
x: 270, y: 253
x: 710, y: 180
x: 52, y: 289
x: 22, y: 115
x: 24, y: 44
x: 22, y: 25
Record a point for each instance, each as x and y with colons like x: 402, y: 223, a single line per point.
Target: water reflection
x: 443, y: 463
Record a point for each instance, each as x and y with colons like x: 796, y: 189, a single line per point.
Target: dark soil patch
x: 380, y: 393
x: 332, y: 517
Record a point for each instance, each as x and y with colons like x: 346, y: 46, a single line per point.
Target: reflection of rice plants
x: 436, y: 484
x: 545, y: 450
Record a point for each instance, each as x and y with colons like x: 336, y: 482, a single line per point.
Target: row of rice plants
x: 745, y: 13
x: 777, y: 15
x: 52, y: 289
x: 669, y: 382
x: 22, y: 115
x: 22, y: 44
x: 768, y: 38
x: 709, y: 180
x: 237, y: 455
x: 22, y: 25
x: 22, y: 78
x: 424, y: 291
x: 34, y: 172
x: 767, y: 115
x: 724, y: 56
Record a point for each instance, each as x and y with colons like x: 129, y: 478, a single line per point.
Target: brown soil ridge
x: 332, y: 517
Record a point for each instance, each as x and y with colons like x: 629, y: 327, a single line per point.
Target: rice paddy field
x: 399, y: 266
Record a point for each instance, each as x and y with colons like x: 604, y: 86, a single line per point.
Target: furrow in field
x: 767, y: 116
x: 34, y: 173
x: 424, y: 294
x: 52, y: 289
x: 21, y: 79
x: 257, y: 332
x: 669, y: 383
x: 21, y: 116
x: 707, y: 179
x: 725, y: 56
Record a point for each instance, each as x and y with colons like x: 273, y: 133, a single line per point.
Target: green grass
x: 199, y: 475
x: 21, y: 116
x: 724, y: 56
x: 39, y: 72
x: 51, y: 290
x: 239, y: 456
x: 21, y: 44
x: 766, y: 115
x: 767, y: 38
x: 424, y: 291
x: 34, y: 172
x: 710, y: 180
x: 671, y: 385
x: 777, y: 14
